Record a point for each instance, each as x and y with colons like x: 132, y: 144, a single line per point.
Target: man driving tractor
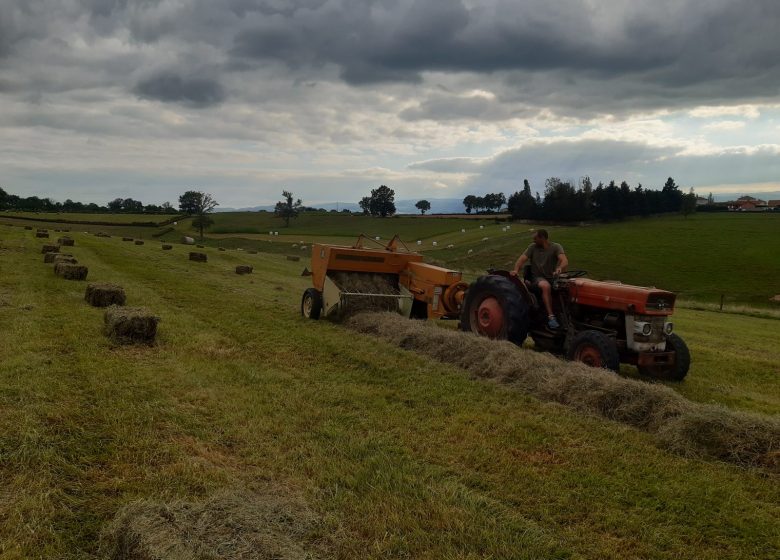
x: 547, y: 261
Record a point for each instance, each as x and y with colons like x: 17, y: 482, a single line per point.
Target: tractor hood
x: 621, y: 297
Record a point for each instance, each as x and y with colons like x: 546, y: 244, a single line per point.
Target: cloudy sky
x: 435, y: 98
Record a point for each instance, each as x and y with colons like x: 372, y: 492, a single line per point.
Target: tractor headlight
x: 643, y: 328
x: 668, y: 328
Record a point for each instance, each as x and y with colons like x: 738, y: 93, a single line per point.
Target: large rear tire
x: 595, y: 349
x: 494, y: 308
x: 672, y: 372
x: 311, y: 304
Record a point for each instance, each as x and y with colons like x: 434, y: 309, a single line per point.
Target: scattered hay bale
x: 198, y: 257
x: 41, y: 230
x: 59, y: 257
x: 139, y: 242
x: 199, y: 246
x: 127, y: 239
x: 71, y: 271
x: 187, y: 240
x: 50, y: 249
x: 680, y: 425
x: 103, y: 295
x: 102, y: 234
x: 252, y: 252
x: 167, y: 247
x: 293, y: 258
x: 41, y: 234
x: 130, y: 325
x: 266, y: 524
x: 52, y: 257
x: 28, y: 227
x: 221, y: 248
x: 244, y: 269
x: 66, y: 242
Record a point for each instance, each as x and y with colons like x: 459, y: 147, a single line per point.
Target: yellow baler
x: 382, y: 277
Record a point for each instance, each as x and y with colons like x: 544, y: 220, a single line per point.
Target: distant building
x: 773, y: 204
x: 702, y: 201
x: 748, y: 204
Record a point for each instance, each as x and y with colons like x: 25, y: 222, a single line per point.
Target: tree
x: 469, y: 202
x: 115, y: 205
x: 132, y: 206
x: 365, y: 205
x: 382, y: 202
x: 287, y: 208
x: 688, y: 206
x: 522, y: 205
x: 3, y: 199
x: 188, y: 202
x: 423, y: 206
x: 200, y: 204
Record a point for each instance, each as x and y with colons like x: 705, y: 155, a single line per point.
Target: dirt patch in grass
x: 260, y: 524
x: 692, y: 429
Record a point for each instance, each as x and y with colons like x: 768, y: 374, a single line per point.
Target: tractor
x: 603, y: 324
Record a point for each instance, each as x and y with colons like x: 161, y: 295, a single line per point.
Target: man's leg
x: 544, y: 286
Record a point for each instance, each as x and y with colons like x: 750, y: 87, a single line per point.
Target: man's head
x: 540, y: 237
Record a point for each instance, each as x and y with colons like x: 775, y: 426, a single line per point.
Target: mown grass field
x: 400, y: 456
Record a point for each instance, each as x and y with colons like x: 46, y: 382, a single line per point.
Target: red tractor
x: 603, y: 324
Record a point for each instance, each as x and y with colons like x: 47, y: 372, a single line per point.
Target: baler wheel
x: 311, y: 304
x: 671, y: 372
x: 494, y: 308
x: 595, y: 349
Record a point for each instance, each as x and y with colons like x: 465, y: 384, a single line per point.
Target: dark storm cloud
x: 172, y: 88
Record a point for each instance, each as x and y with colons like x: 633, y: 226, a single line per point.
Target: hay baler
x: 391, y: 277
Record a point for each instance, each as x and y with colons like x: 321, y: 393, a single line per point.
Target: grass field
x: 74, y: 217
x: 399, y: 456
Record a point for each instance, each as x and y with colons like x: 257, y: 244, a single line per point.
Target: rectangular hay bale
x: 42, y: 234
x: 59, y: 257
x: 71, y: 271
x: 50, y: 249
x: 51, y: 256
x: 293, y: 258
x: 130, y: 325
x: 244, y: 269
x: 66, y: 242
x: 167, y: 247
x: 103, y: 294
x: 198, y: 257
x: 139, y: 242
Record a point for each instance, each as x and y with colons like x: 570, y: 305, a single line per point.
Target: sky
x: 435, y: 98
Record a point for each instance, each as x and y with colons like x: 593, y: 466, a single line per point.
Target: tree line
x: 564, y: 202
x: 118, y: 205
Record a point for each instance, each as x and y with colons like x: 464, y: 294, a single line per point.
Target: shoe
x: 552, y: 323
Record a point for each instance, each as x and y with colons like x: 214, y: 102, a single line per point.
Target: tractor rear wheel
x: 494, y: 308
x: 671, y: 372
x: 311, y: 304
x: 595, y: 349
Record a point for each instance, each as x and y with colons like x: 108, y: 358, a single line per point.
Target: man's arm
x: 563, y: 263
x: 519, y: 264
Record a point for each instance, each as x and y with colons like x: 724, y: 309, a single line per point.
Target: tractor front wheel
x: 671, y: 372
x: 494, y: 308
x: 311, y: 304
x: 595, y: 349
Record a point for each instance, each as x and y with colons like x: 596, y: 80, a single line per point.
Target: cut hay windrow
x: 683, y: 426
x: 232, y: 525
